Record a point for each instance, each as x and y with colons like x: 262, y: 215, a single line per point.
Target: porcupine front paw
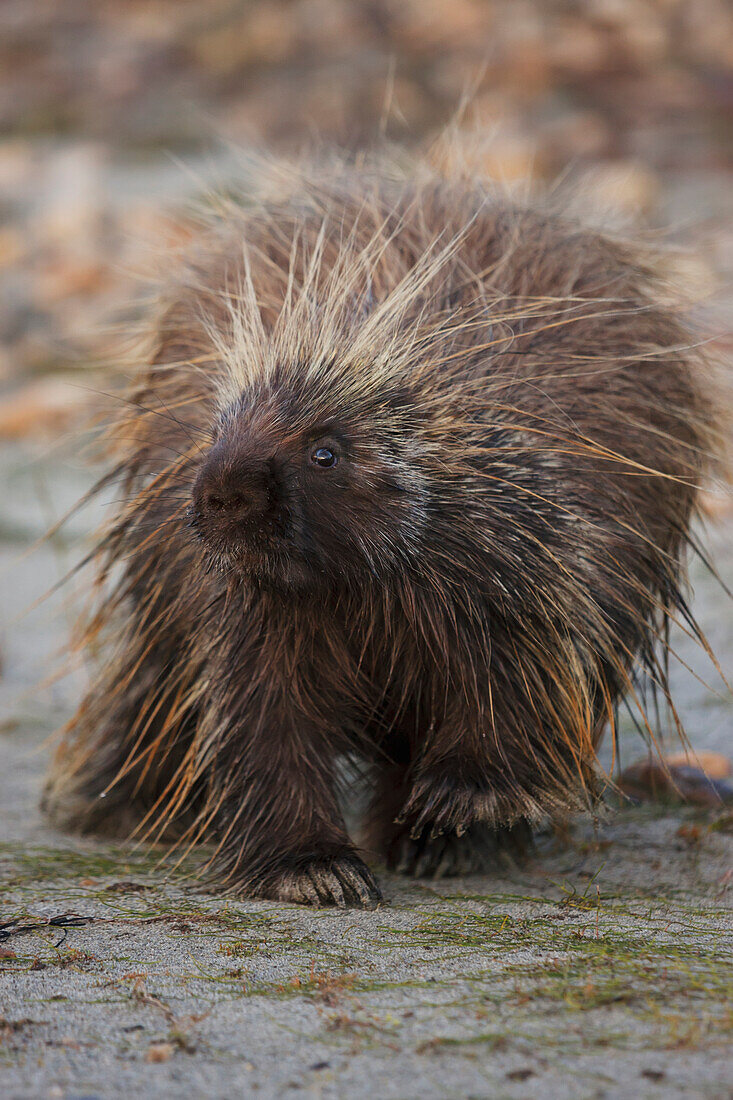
x: 479, y: 850
x: 447, y: 828
x: 344, y: 881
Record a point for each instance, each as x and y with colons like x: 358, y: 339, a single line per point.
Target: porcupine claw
x: 344, y: 882
x: 480, y: 849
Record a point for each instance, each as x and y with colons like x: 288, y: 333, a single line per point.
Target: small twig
x: 62, y: 920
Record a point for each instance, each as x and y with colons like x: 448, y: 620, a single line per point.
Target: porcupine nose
x: 231, y: 494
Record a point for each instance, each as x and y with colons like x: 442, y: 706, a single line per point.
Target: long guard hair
x: 528, y: 423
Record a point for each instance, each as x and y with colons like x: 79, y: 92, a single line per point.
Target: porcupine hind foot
x: 96, y: 804
x: 73, y: 811
x: 100, y: 792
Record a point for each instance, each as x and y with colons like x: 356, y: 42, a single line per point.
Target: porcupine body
x: 409, y: 476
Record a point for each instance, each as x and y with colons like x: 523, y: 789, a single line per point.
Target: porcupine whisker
x: 132, y: 402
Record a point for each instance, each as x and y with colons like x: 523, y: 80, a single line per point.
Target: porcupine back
x: 502, y: 348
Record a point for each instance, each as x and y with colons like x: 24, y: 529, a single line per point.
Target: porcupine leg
x: 446, y: 814
x: 272, y: 804
x: 122, y: 750
x: 281, y: 834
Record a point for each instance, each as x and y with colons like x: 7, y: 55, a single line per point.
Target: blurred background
x: 115, y: 115
x: 112, y: 114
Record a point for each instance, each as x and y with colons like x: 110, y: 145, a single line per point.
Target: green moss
x: 559, y: 957
x: 25, y: 865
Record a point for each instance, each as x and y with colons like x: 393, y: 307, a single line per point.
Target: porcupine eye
x: 324, y: 457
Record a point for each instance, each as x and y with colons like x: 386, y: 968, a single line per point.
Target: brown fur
x: 521, y: 430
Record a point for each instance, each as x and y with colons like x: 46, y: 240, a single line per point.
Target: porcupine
x: 408, y: 475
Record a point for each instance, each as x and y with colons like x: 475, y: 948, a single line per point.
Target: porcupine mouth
x: 265, y: 553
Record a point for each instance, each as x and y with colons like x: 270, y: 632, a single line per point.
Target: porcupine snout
x: 231, y: 492
x: 232, y: 495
